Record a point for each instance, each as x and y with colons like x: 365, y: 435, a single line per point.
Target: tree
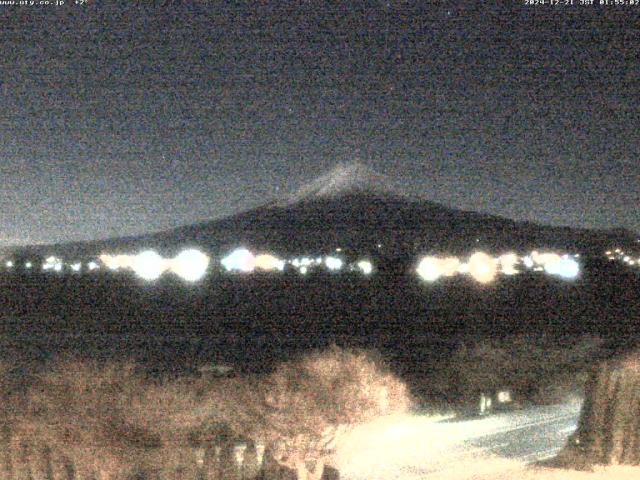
x: 300, y: 409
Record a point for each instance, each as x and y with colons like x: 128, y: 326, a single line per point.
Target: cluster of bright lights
x: 190, y: 265
x: 431, y: 268
x: 364, y: 266
x: 480, y: 266
x: 333, y: 264
x: 304, y: 264
x: 621, y: 256
x: 484, y: 268
x: 565, y: 267
x: 508, y: 263
x: 245, y: 261
x: 268, y: 263
x: 53, y: 263
x: 560, y: 265
x: 117, y: 262
x: 240, y: 260
x: 149, y: 265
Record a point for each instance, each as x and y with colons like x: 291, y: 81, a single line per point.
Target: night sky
x: 122, y: 117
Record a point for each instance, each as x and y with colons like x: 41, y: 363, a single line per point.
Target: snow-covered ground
x: 420, y: 447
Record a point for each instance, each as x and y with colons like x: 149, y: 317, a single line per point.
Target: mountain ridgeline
x: 355, y: 209
x: 272, y: 316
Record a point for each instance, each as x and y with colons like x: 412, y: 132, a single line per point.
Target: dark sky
x: 124, y: 117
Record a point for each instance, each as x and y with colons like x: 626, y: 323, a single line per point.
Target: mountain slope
x: 345, y: 178
x: 354, y: 208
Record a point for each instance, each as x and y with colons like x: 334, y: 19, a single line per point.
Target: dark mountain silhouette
x: 354, y: 208
x: 255, y: 319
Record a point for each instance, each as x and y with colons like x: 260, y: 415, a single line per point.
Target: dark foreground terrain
x: 254, y: 321
x: 449, y: 342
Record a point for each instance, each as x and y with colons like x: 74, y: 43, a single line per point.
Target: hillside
x: 354, y: 208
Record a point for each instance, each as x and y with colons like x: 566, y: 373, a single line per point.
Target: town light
x: 565, y: 268
x: 190, y: 265
x: 429, y: 269
x: 482, y: 267
x: 449, y: 266
x: 268, y: 262
x: 240, y: 259
x: 333, y: 263
x: 148, y: 265
x: 365, y: 266
x: 508, y: 263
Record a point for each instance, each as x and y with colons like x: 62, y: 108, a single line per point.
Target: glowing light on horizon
x: 508, y: 263
x: 620, y: 256
x: 333, y: 263
x: 449, y: 266
x: 116, y: 262
x: 190, y: 265
x: 241, y: 260
x: 76, y: 267
x: 109, y: 261
x: 365, y: 266
x: 565, y: 268
x: 429, y: 269
x: 545, y: 259
x: 148, y: 265
x: 52, y: 263
x: 482, y: 267
x: 268, y: 262
x: 92, y: 266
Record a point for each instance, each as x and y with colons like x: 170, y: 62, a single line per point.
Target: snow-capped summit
x: 344, y: 178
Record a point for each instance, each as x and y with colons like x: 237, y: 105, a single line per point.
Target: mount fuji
x: 344, y: 179
x: 356, y: 209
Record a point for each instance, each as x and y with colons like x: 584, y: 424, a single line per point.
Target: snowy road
x: 415, y: 447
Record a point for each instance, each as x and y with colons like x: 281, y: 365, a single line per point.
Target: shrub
x: 299, y: 410
x: 103, y: 420
x: 539, y: 369
x: 78, y: 410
